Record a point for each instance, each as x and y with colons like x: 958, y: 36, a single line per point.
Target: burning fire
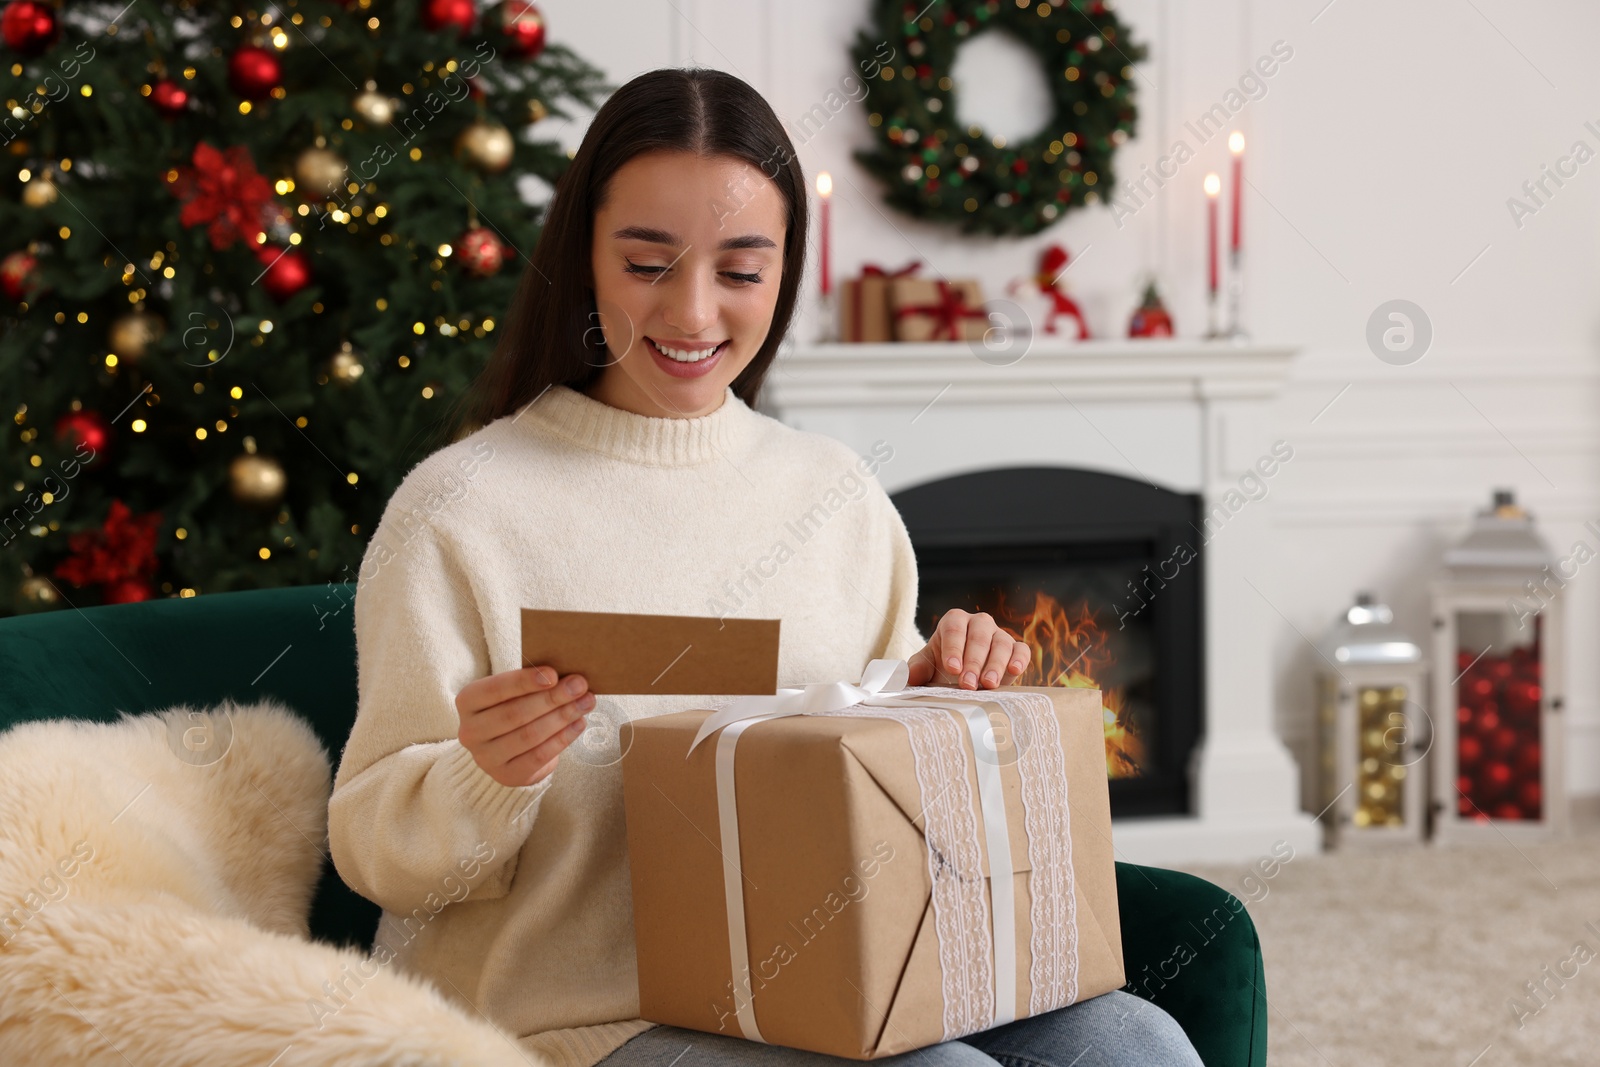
x: 1072, y: 652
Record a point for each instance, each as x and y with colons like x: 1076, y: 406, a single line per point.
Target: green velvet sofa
x: 1188, y: 945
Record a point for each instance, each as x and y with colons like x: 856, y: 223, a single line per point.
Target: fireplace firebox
x: 1101, y: 576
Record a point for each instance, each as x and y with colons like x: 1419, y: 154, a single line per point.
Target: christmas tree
x: 250, y: 255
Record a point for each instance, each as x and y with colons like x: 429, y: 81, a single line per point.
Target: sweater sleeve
x: 410, y: 806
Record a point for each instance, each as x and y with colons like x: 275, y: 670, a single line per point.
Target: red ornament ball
x: 444, y: 14
x: 19, y: 277
x: 523, y: 25
x: 482, y: 252
x: 169, y: 97
x: 85, y: 429
x: 29, y: 27
x: 253, y: 72
x: 288, y: 271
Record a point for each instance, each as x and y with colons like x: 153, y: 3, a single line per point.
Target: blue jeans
x: 1117, y: 1028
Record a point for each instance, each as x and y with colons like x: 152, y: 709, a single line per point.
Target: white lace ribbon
x: 882, y: 685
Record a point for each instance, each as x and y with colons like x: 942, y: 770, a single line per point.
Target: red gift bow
x: 950, y: 309
x: 872, y: 270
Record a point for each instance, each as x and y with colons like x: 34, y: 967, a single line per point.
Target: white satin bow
x: 882, y: 678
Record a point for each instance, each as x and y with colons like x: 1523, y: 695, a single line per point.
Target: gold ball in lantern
x: 487, y: 146
x: 35, y: 592
x: 132, y: 334
x: 374, y: 108
x: 537, y: 112
x: 257, y: 481
x: 39, y: 192
x: 345, y: 365
x: 319, y: 170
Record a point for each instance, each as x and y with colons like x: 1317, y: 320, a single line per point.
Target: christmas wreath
x: 936, y: 170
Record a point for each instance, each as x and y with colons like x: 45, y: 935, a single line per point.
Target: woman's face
x: 686, y: 260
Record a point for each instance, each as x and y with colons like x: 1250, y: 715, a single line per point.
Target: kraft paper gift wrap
x: 854, y: 844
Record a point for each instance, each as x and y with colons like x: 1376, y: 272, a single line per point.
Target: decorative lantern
x: 1372, y: 694
x: 1497, y: 619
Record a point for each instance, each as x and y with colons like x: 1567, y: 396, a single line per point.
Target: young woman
x: 611, y: 459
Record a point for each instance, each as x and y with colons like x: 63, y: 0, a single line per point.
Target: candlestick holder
x: 1213, y: 327
x: 1235, y: 330
x: 828, y: 313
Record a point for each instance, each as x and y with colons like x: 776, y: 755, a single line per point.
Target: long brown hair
x: 548, y: 338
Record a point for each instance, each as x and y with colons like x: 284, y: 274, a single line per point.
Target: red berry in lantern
x: 127, y: 591
x: 1505, y: 741
x: 1464, y: 661
x: 1508, y: 811
x: 253, y: 72
x: 1499, y: 669
x: 441, y: 14
x: 85, y: 429
x: 1481, y: 687
x: 29, y: 27
x: 19, y: 278
x: 482, y: 251
x: 1463, y: 715
x: 1488, y: 721
x: 1498, y: 775
x: 169, y: 97
x: 288, y: 271
x: 523, y: 26
x: 1464, y: 785
x: 1463, y: 807
x: 1471, y: 750
x: 1530, y: 795
x: 1528, y: 758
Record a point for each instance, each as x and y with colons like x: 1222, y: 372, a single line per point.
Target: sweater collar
x: 645, y: 439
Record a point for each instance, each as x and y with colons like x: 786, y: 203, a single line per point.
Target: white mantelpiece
x: 1185, y: 415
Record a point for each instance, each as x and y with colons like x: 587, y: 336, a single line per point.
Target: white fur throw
x: 156, y: 875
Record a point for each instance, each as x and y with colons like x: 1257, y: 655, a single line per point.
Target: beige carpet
x: 1417, y: 956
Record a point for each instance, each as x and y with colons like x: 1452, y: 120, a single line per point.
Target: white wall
x: 1381, y: 156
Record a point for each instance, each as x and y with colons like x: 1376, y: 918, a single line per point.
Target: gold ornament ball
x: 319, y: 170
x: 35, y: 592
x: 40, y: 192
x: 132, y: 334
x: 256, y: 480
x: 374, y: 108
x: 345, y: 365
x: 537, y: 112
x: 487, y: 145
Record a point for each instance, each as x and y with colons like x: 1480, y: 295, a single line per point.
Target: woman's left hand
x: 967, y: 651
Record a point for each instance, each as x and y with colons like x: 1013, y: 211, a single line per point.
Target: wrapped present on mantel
x: 932, y: 309
x: 864, y: 313
x: 865, y: 869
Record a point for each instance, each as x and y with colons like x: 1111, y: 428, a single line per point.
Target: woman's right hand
x: 516, y: 723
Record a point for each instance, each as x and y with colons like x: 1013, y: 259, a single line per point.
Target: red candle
x: 1213, y: 188
x: 1236, y: 146
x: 825, y: 191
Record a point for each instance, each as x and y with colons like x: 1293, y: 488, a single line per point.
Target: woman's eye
x: 648, y: 271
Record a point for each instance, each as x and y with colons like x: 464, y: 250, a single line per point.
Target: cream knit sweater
x: 516, y: 901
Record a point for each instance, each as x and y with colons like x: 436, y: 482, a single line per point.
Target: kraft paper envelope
x: 625, y: 653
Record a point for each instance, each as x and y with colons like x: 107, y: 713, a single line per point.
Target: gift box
x: 928, y: 309
x: 864, y: 313
x: 818, y: 872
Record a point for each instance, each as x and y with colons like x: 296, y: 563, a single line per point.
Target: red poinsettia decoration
x: 121, y: 555
x: 224, y: 190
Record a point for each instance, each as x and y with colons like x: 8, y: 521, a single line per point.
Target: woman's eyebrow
x: 663, y: 237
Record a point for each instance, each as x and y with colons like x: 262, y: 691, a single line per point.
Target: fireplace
x: 1101, y: 576
x: 1042, y: 472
